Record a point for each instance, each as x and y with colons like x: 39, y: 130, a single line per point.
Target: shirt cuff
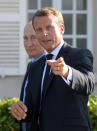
x: 69, y: 77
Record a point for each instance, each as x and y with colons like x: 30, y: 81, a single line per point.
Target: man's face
x: 31, y: 44
x: 48, y: 31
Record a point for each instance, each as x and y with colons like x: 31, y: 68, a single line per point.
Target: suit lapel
x: 35, y: 79
x: 62, y: 53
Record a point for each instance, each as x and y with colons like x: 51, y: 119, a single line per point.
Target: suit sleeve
x: 23, y: 84
x: 28, y: 97
x: 83, y: 77
x: 32, y: 99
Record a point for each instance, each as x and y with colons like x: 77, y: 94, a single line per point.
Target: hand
x: 59, y: 67
x: 19, y: 110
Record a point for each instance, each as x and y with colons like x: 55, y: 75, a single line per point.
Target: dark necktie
x: 47, y: 73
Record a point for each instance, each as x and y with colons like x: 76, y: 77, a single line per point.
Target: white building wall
x: 10, y: 86
x: 11, y: 77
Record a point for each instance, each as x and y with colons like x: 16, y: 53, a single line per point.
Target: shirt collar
x: 57, y: 49
x: 44, y: 53
x: 33, y: 60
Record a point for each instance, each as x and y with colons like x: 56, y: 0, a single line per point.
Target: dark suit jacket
x: 24, y: 81
x: 62, y: 105
x: 22, y: 92
x: 32, y: 101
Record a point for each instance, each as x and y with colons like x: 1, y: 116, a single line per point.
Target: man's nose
x: 45, y: 33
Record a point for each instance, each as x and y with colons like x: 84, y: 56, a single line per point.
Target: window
x: 75, y: 13
x: 33, y: 5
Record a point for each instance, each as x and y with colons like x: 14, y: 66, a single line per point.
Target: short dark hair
x: 48, y: 11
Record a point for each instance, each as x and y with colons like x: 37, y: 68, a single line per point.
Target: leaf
x: 7, y: 122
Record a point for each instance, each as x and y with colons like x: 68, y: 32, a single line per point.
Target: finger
x: 57, y: 68
x: 59, y: 60
x: 23, y: 106
x: 21, y: 113
x: 20, y: 110
x: 16, y: 116
x: 55, y: 62
x: 51, y: 62
x: 13, y: 112
x: 58, y: 65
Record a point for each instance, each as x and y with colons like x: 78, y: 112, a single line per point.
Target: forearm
x: 83, y: 82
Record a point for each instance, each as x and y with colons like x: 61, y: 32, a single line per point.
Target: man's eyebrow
x: 24, y: 36
x: 33, y: 36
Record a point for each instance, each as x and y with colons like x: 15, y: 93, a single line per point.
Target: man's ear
x: 62, y: 29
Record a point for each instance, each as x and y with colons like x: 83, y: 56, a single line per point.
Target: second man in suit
x: 35, y: 51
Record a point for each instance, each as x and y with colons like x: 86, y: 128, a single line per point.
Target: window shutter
x: 12, y: 53
x: 9, y: 6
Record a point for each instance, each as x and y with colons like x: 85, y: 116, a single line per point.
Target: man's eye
x: 25, y: 39
x: 38, y: 30
x: 48, y: 27
x: 33, y: 38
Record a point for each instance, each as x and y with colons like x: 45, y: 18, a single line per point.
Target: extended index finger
x: 51, y: 62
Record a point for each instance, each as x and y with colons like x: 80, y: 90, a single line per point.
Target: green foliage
x: 7, y: 121
x: 93, y: 112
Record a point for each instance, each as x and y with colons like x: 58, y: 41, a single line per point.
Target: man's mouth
x: 46, y: 41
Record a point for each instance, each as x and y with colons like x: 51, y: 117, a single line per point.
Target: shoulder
x: 37, y: 64
x: 79, y: 52
x: 77, y: 56
x: 29, y: 64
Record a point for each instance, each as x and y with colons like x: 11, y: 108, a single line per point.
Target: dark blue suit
x: 63, y: 107
x: 26, y: 125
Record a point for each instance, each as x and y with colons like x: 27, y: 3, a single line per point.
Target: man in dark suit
x: 61, y: 103
x: 35, y: 51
